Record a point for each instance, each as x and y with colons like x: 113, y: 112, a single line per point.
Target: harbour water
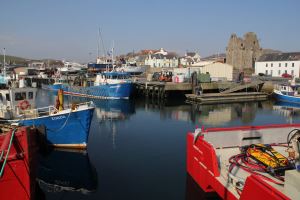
x: 137, y: 148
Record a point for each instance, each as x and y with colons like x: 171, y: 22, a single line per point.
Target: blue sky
x: 68, y: 29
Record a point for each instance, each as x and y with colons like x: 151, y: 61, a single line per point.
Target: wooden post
x: 159, y: 92
x: 153, y: 91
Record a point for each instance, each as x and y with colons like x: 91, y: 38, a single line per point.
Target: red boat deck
x: 18, y: 178
x: 208, y: 153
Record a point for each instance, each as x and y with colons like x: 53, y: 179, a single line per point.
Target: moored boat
x: 286, y: 93
x: 132, y: 69
x: 18, y: 163
x: 249, y: 162
x: 108, y: 85
x: 67, y: 128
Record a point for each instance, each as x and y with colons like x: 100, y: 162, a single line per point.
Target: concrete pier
x: 213, y: 98
x: 161, y: 90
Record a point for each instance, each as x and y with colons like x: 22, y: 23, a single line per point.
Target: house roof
x: 160, y: 56
x: 292, y: 56
x: 191, y: 54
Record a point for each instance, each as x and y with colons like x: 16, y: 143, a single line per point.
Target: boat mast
x: 4, y: 67
x: 98, y: 44
x: 112, y: 56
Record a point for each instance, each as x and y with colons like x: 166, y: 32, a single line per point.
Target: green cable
x: 2, y: 153
x: 8, y: 150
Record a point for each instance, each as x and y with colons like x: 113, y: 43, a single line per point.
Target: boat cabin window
x: 120, y: 76
x: 30, y: 95
x: 7, y: 97
x: 20, y: 96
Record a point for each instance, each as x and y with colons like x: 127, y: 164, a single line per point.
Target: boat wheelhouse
x: 14, y: 101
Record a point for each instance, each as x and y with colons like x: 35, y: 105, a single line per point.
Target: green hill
x: 13, y: 59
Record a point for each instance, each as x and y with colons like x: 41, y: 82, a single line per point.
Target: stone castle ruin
x: 242, y: 53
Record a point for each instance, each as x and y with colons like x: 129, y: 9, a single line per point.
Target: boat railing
x: 42, y: 111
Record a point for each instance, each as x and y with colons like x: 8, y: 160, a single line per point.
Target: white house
x: 37, y: 65
x: 162, y: 59
x: 189, y: 59
x: 276, y: 64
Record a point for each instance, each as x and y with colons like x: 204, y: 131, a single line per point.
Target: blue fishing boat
x: 68, y: 128
x: 286, y: 93
x: 108, y: 85
x: 65, y: 127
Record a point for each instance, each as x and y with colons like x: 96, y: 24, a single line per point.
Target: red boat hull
x: 202, y: 165
x: 18, y: 179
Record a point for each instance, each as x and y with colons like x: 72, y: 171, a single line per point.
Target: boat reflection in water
x: 289, y: 110
x: 117, y: 109
x: 110, y: 112
x: 67, y: 171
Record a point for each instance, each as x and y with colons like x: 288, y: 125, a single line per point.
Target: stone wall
x: 242, y: 53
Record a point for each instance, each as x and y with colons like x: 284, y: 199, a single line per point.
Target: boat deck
x: 210, y: 150
x: 237, y: 173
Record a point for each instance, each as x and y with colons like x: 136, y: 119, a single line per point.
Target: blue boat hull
x: 286, y: 98
x: 54, y: 87
x: 108, y: 91
x: 70, y: 130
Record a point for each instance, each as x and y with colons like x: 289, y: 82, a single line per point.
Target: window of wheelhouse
x: 30, y: 95
x: 20, y: 96
x: 7, y: 97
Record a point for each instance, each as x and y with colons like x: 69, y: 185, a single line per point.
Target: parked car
x: 286, y: 75
x: 155, y: 76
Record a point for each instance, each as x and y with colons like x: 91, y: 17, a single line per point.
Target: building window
x: 266, y: 72
x: 279, y: 64
x: 271, y: 72
x: 266, y: 64
x: 271, y: 64
x: 279, y: 73
x: 293, y: 64
x: 285, y: 71
x: 153, y: 64
x: 285, y: 64
x: 292, y: 72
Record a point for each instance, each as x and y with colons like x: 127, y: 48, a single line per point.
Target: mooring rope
x: 8, y: 150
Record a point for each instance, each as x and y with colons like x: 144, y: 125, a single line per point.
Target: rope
x: 8, y: 150
x: 64, y: 124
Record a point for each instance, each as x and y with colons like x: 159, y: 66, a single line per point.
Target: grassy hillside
x: 13, y: 59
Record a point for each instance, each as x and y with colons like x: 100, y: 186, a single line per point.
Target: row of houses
x: 162, y: 58
x: 271, y: 64
x: 279, y: 64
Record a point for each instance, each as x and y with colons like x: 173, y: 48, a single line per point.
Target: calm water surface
x: 137, y: 149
